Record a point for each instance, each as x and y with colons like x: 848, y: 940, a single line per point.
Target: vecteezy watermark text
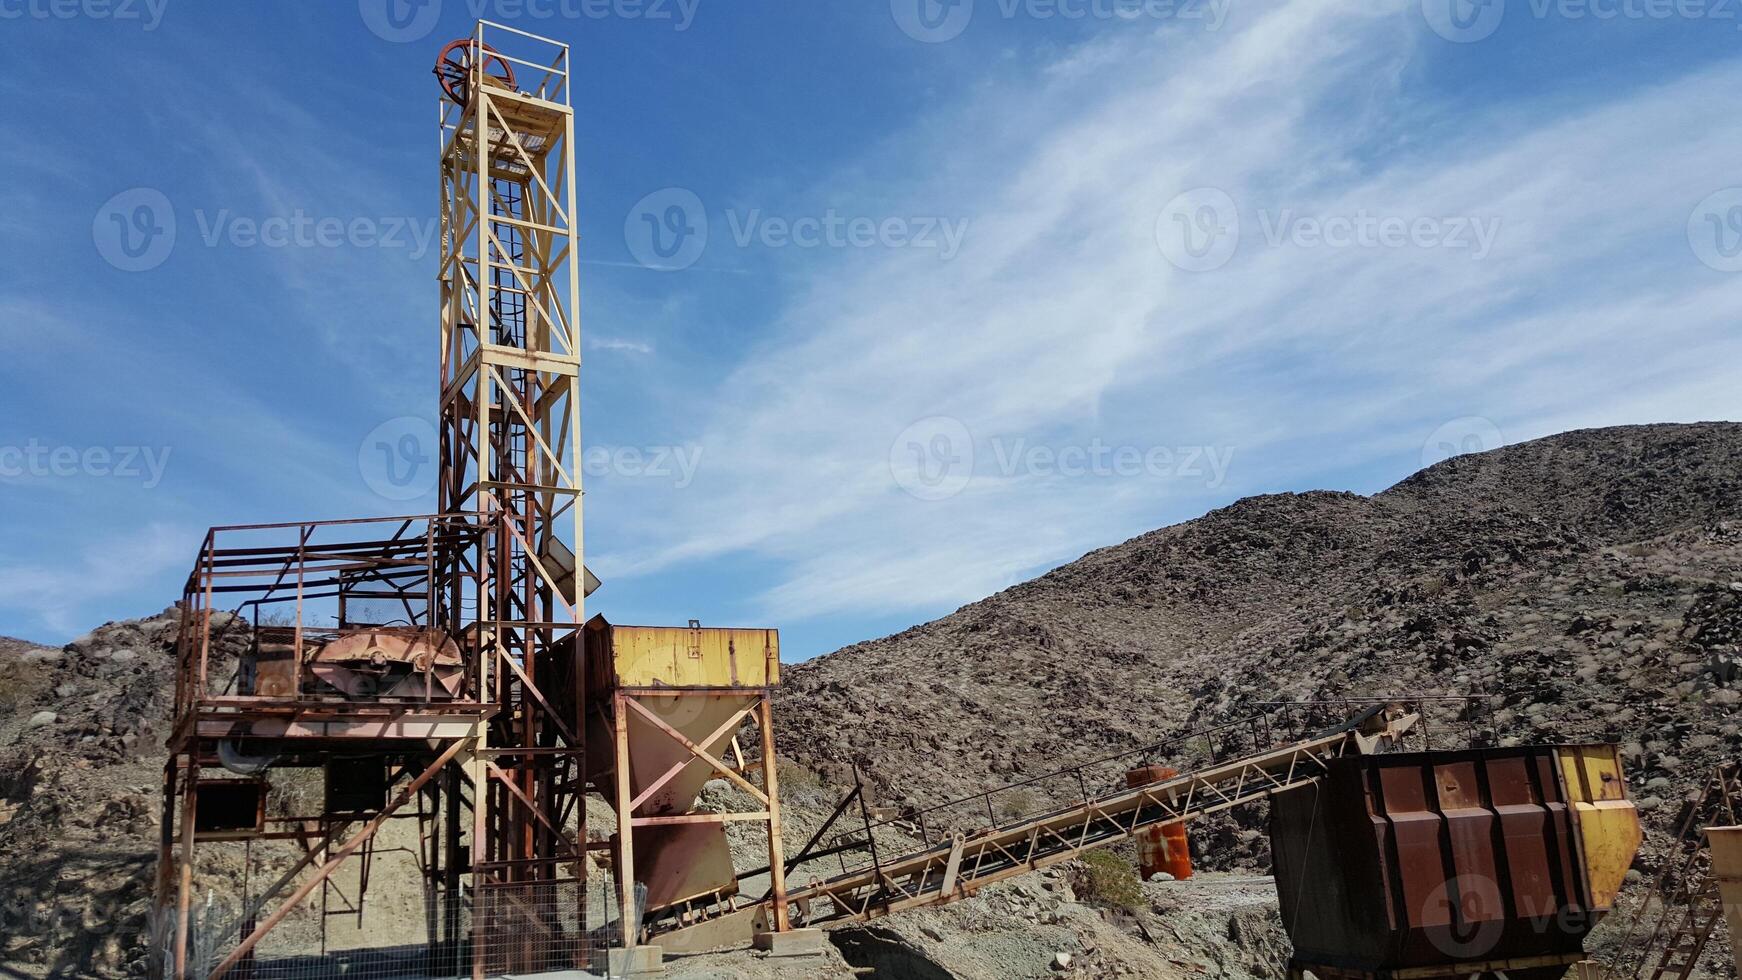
x: 675, y: 463
x: 1201, y: 230
x: 299, y: 229
x: 402, y: 21
x: 935, y: 458
x: 669, y: 230
x: 398, y: 460
x: 1363, y: 229
x: 147, y: 13
x: 39, y: 460
x: 1014, y: 457
x: 1469, y: 21
x: 835, y: 230
x: 135, y: 231
x: 937, y: 21
x: 679, y: 13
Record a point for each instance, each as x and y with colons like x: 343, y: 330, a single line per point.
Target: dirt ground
x: 1214, y: 926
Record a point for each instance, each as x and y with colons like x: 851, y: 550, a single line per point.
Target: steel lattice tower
x: 510, y: 429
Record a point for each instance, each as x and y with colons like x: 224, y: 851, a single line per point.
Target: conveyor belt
x: 959, y: 867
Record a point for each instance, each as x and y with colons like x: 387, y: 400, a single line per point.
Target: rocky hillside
x: 1588, y: 585
x: 81, y: 769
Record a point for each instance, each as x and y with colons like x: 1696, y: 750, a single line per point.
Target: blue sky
x: 961, y: 292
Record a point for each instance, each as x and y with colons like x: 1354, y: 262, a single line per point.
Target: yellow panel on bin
x: 1609, y: 830
x: 1593, y: 773
x: 678, y: 656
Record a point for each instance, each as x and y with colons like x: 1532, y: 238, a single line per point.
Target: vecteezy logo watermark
x: 1464, y: 21
x: 397, y: 459
x: 1459, y: 437
x: 937, y: 21
x: 400, y: 21
x: 1199, y: 230
x: 1465, y: 916
x: 933, y: 459
x: 677, y: 464
x: 932, y: 21
x: 299, y: 229
x: 669, y: 229
x: 38, y: 460
x: 134, y: 231
x: 148, y: 13
x: 1715, y: 230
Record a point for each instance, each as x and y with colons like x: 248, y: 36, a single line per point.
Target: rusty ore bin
x: 1408, y: 865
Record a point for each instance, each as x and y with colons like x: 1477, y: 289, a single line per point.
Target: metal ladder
x: 1686, y: 892
x: 1692, y: 931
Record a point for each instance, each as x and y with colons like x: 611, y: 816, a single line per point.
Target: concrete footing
x: 634, y: 961
x: 794, y: 942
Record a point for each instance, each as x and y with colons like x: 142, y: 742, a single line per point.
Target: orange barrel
x: 1163, y: 848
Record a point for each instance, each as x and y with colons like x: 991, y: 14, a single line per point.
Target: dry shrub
x: 1109, y: 881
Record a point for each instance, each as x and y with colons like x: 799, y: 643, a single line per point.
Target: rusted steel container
x: 1425, y: 864
x: 1164, y: 849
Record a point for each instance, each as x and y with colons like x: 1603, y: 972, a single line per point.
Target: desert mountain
x: 1587, y: 585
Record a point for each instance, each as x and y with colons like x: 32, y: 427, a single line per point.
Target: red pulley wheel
x: 453, y: 67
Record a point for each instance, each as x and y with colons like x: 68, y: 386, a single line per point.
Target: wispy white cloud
x: 210, y: 420
x: 1062, y: 323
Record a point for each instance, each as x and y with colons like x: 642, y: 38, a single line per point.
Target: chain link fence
x: 517, y: 928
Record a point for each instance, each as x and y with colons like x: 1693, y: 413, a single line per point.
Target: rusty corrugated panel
x: 1526, y: 834
x: 1419, y: 866
x: 1470, y: 831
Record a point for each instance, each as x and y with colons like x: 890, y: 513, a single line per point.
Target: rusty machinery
x: 1454, y: 863
x: 435, y: 669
